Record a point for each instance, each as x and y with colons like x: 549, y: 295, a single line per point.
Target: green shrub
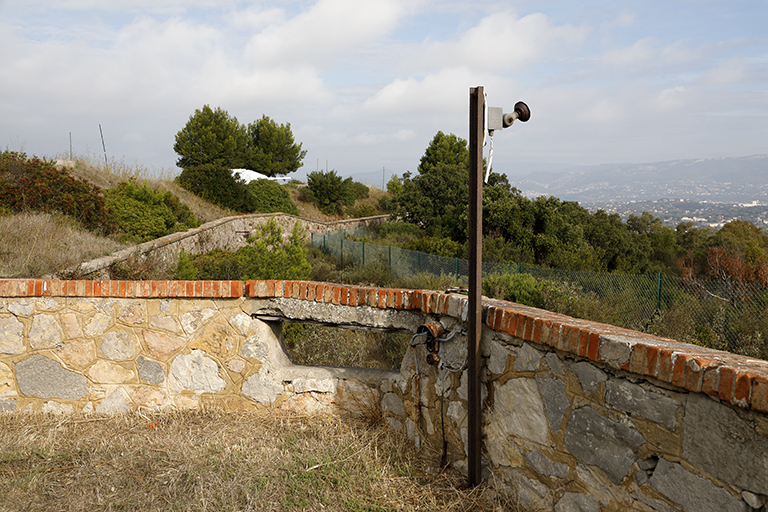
x: 330, y: 192
x: 143, y: 213
x: 272, y: 197
x: 218, y: 185
x: 363, y: 210
x: 38, y: 185
x: 440, y: 246
x: 520, y: 288
x: 361, y: 191
x: 267, y: 256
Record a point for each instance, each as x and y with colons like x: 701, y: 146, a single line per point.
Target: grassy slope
x: 34, y: 245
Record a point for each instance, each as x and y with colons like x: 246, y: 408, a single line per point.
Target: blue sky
x: 365, y: 85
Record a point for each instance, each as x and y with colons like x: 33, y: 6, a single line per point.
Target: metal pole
x: 475, y: 437
x: 658, y: 293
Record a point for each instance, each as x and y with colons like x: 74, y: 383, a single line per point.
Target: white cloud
x: 501, y: 43
x: 320, y: 34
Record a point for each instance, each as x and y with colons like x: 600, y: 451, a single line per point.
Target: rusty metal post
x: 475, y: 434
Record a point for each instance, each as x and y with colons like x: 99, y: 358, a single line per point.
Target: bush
x: 37, y: 185
x: 272, y: 197
x: 219, y: 186
x: 440, y: 246
x: 363, y: 210
x: 266, y: 256
x: 143, y: 213
x: 361, y: 191
x: 520, y: 288
x: 330, y: 192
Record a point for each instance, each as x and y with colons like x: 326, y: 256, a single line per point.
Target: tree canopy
x: 561, y: 234
x: 213, y: 137
x: 271, y: 149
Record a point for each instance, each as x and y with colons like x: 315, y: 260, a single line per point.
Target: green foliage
x: 395, y: 186
x: 271, y: 149
x: 272, y: 197
x: 440, y: 246
x: 211, y: 137
x: 361, y: 191
x: 267, y: 256
x: 218, y: 185
x: 444, y: 150
x: 520, y: 288
x: 143, y: 213
x: 38, y: 185
x: 330, y: 192
x: 363, y: 210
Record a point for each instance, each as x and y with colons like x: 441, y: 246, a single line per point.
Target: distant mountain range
x: 742, y: 179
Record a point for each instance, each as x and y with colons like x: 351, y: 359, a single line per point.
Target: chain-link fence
x: 726, y: 315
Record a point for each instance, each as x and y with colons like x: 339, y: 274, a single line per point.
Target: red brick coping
x: 733, y: 379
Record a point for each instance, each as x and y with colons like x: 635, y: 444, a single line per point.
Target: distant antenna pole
x: 70, y: 146
x: 103, y: 146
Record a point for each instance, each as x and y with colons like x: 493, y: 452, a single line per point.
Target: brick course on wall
x: 577, y: 415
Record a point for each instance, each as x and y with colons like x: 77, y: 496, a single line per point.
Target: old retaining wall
x: 229, y: 233
x: 578, y: 416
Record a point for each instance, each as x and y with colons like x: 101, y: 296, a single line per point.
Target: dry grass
x: 37, y: 244
x: 220, y: 461
x: 103, y: 175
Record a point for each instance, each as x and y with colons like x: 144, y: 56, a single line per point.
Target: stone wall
x: 578, y: 416
x: 229, y: 234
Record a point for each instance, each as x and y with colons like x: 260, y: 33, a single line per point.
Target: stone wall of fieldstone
x: 229, y: 234
x: 577, y: 416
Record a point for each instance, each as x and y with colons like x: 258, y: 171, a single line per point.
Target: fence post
x: 658, y: 294
x: 363, y: 253
x: 341, y: 251
x: 457, y: 268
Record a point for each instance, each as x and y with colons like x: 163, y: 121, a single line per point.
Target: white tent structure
x: 248, y: 175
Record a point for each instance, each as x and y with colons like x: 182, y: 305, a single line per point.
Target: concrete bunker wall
x: 229, y: 233
x: 577, y: 415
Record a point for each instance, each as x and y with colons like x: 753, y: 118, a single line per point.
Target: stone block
x: 11, y: 335
x: 7, y: 383
x: 46, y: 332
x: 628, y: 397
x: 7, y: 405
x: 555, y: 400
x: 107, y: 372
x: 115, y: 403
x: 600, y: 442
x: 577, y: 502
x: 543, y: 466
x: 42, y: 377
x: 720, y: 442
x: 590, y: 377
x: 162, y: 345
x: 527, y: 359
x: 196, y: 372
x: 262, y: 389
x: 517, y: 411
x: 120, y: 345
x: 554, y: 363
x: 692, y: 492
x: 150, y: 371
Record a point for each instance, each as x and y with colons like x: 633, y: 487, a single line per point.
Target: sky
x: 366, y: 84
